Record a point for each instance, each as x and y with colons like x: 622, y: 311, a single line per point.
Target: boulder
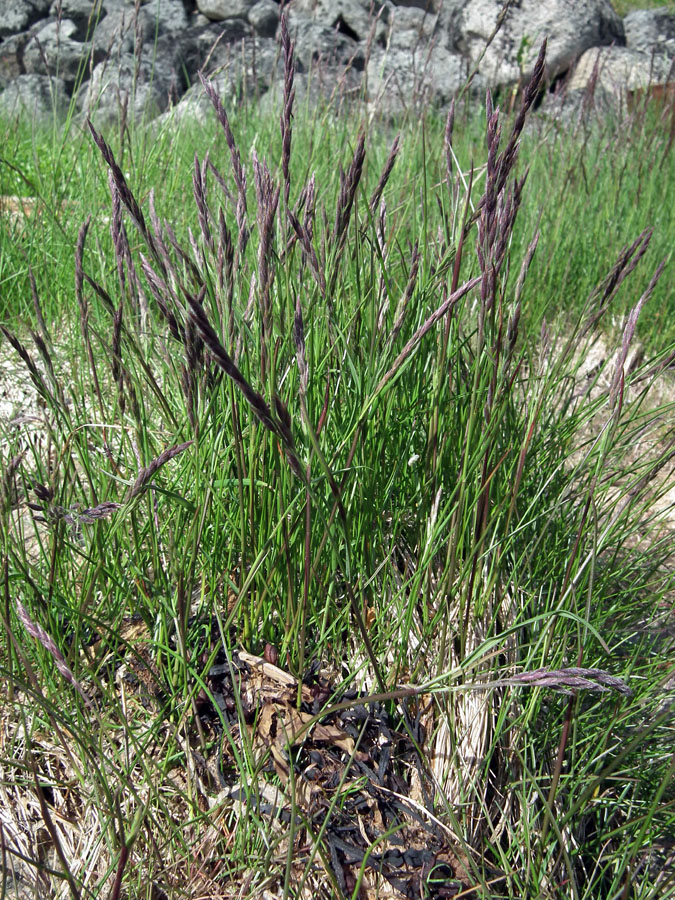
x: 234, y: 73
x: 120, y: 29
x: 19, y: 15
x: 411, y: 26
x: 264, y: 17
x: 11, y: 55
x: 86, y: 14
x: 414, y: 51
x: 323, y: 87
x: 56, y: 49
x: 571, y: 29
x: 39, y: 97
x: 350, y: 17
x: 619, y: 69
x: 253, y: 63
x: 162, y: 17
x: 402, y: 79
x: 317, y: 47
x: 140, y: 89
x: 219, y: 10
x: 624, y: 80
x: 651, y: 31
x: 208, y: 47
x: 115, y: 33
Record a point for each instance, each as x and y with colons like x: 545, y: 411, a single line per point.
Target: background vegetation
x: 623, y: 8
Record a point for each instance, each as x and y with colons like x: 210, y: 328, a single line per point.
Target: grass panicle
x: 42, y: 637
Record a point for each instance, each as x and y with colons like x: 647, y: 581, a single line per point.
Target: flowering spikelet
x: 385, y: 175
x: 147, y: 472
x: 237, y: 167
x: 199, y: 191
x: 39, y: 634
x: 568, y: 679
x: 126, y: 196
x: 287, y: 113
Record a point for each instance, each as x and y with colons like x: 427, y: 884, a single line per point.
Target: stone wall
x: 112, y: 58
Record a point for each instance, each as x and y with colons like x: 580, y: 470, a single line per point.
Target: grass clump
x: 611, y: 175
x: 623, y: 7
x: 306, y: 472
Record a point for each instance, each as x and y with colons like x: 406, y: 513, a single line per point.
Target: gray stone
x: 351, y: 17
x: 650, y: 31
x: 410, y: 26
x: 198, y: 20
x: 186, y: 53
x: 234, y: 76
x: 571, y: 28
x: 86, y: 14
x: 327, y: 88
x: 123, y: 22
x: 619, y: 69
x: 119, y: 30
x: 219, y: 10
x: 420, y: 50
x: 162, y: 16
x: 55, y: 50
x: 38, y: 97
x: 621, y: 75
x: 427, y: 6
x: 11, y: 55
x: 18, y: 15
x: 317, y: 47
x: 405, y: 79
x: 209, y: 48
x: 139, y: 89
x: 115, y: 34
x: 264, y: 17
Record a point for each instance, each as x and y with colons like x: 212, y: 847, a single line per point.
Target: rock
x: 38, y: 97
x: 211, y: 46
x: 115, y: 33
x: 619, y: 70
x: 215, y: 48
x: 233, y: 74
x: 140, y: 89
x: 651, y: 31
x: 626, y: 80
x: 350, y: 17
x: 264, y: 17
x: 316, y: 46
x: 571, y: 29
x: 19, y: 15
x: 118, y: 30
x: 197, y: 20
x: 410, y: 26
x: 11, y: 55
x: 219, y: 10
x: 325, y: 87
x: 56, y: 49
x: 85, y: 13
x: 162, y: 16
x: 403, y: 79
